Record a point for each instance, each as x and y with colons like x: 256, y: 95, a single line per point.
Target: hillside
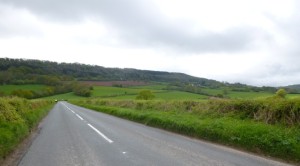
x: 19, y: 71
x: 26, y: 71
x: 293, y: 88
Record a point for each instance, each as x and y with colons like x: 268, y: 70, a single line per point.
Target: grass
x: 17, y: 118
x: 166, y: 95
x: 152, y: 87
x: 131, y: 92
x: 293, y: 96
x: 212, y: 91
x: 7, y: 89
x: 102, y: 91
x: 248, y: 95
x: 65, y: 96
x: 239, y: 123
x: 157, y: 89
x: 177, y: 95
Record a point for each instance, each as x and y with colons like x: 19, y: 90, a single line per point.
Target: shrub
x: 17, y: 117
x: 145, y: 95
x: 281, y: 93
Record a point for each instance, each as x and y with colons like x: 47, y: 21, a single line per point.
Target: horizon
x: 250, y: 42
x: 149, y: 70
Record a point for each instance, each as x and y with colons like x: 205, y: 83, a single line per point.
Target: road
x: 73, y: 135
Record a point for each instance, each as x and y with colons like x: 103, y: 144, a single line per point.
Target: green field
x: 7, y: 89
x: 158, y: 90
x: 293, y: 96
x: 104, y: 91
x: 131, y: 92
x: 248, y: 95
x: 65, y: 96
x: 153, y: 87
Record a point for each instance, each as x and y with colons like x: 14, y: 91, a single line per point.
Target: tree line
x: 24, y: 71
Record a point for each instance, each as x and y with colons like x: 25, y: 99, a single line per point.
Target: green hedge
x: 17, y: 117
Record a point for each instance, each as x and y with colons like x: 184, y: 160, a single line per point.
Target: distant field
x: 7, y: 89
x: 112, y: 83
x: 64, y: 96
x: 177, y: 95
x: 158, y: 90
x: 130, y: 93
x: 153, y: 87
x: 102, y: 91
x: 249, y: 95
x: 293, y: 96
x: 212, y: 91
x: 167, y: 95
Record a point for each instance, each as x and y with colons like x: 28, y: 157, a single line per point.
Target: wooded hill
x: 20, y: 71
x: 26, y: 71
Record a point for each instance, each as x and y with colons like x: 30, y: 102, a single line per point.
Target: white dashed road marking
x: 101, y: 134
x: 79, y: 117
x: 96, y: 130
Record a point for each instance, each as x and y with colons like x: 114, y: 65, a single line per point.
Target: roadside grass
x: 7, y: 89
x: 262, y: 126
x: 17, y: 118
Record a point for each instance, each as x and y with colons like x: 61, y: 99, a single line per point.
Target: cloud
x: 253, y: 42
x: 17, y: 23
x: 140, y: 23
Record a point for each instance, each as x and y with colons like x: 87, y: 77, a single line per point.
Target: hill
x: 293, y: 88
x: 27, y: 71
x: 20, y: 71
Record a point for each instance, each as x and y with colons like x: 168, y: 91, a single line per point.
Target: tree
x: 281, y: 93
x: 82, y: 90
x: 145, y: 95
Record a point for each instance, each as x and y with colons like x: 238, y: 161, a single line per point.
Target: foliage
x: 32, y: 91
x: 20, y: 71
x: 145, y: 95
x: 82, y: 90
x: 17, y: 117
x: 281, y: 93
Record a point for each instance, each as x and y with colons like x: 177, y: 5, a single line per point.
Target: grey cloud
x: 288, y: 57
x: 232, y: 40
x: 139, y: 23
x: 12, y: 25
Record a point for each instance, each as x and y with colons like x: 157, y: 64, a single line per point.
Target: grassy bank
x: 17, y: 118
x: 268, y: 126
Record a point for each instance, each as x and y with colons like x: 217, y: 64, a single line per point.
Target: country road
x: 72, y: 135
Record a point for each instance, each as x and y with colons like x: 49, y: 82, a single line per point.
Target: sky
x: 253, y: 42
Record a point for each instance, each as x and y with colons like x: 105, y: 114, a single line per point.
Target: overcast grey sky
x: 248, y: 41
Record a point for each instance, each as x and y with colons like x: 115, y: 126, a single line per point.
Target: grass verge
x: 207, y: 121
x: 17, y: 118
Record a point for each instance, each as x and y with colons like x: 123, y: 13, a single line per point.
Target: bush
x: 17, y: 117
x: 281, y: 93
x: 145, y: 95
x: 82, y: 90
